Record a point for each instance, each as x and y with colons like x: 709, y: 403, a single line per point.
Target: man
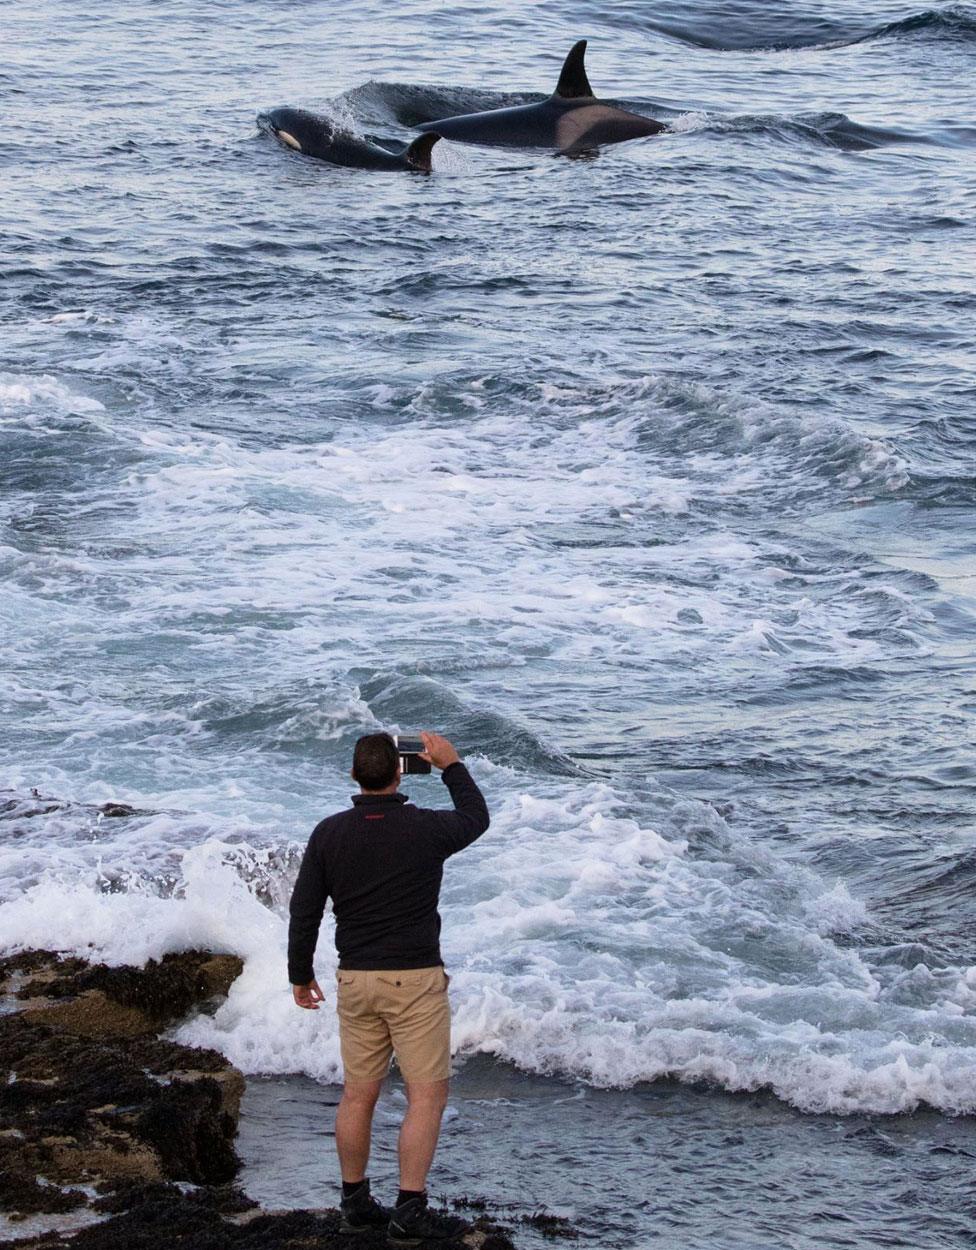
x: 382, y: 862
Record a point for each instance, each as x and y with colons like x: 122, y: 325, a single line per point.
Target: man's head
x: 376, y: 763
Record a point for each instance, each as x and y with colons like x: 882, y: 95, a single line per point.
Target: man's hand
x: 308, y: 996
x: 438, y: 751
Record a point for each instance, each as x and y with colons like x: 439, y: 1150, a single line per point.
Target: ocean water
x: 650, y: 478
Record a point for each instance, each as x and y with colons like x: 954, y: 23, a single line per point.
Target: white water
x: 582, y: 943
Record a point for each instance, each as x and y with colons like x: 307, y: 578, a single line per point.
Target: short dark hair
x: 375, y: 761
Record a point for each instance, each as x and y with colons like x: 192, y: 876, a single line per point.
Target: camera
x: 409, y: 748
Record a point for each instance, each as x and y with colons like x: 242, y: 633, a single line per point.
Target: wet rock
x: 99, y: 1001
x: 194, y: 1222
x: 27, y: 1195
x: 79, y: 1110
x: 88, y: 1095
x: 89, y: 1015
x: 15, y: 806
x: 228, y: 1200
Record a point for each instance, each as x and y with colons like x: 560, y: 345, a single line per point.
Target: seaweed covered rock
x: 94, y: 1000
x: 80, y: 1110
x: 205, y: 1221
x: 88, y: 1096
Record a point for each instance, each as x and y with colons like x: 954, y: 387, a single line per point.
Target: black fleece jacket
x: 381, y: 862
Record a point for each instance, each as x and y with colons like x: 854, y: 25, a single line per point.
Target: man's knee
x: 361, y: 1093
x: 428, y: 1094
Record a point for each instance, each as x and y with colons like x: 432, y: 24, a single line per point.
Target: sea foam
x: 582, y: 944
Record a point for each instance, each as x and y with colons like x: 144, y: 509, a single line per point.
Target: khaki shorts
x: 403, y: 1013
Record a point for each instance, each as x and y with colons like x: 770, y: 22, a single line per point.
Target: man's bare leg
x: 354, y: 1126
x: 419, y: 1132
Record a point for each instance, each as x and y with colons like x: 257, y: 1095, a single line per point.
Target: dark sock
x: 350, y: 1187
x: 407, y: 1195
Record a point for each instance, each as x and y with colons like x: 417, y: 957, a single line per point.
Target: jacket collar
x: 367, y: 800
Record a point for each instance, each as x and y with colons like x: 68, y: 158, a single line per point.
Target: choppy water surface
x: 648, y: 477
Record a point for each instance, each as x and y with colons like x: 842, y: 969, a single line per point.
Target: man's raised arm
x: 455, y: 830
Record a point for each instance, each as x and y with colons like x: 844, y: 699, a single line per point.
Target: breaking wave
x: 717, y: 964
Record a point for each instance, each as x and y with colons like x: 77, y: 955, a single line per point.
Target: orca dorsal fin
x: 418, y: 153
x: 573, y: 83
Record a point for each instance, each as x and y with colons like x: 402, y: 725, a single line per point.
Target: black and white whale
x: 571, y: 120
x: 319, y: 137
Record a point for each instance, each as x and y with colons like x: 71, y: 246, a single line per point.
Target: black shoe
x: 414, y: 1223
x: 361, y: 1212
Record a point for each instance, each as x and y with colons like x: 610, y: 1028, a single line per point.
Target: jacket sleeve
x: 451, y: 832
x: 305, y: 914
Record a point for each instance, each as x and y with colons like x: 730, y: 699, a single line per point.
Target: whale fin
x: 418, y: 153
x: 573, y: 83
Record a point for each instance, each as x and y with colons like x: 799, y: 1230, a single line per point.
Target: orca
x: 571, y: 120
x: 319, y: 137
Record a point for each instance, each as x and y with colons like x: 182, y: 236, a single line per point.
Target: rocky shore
x: 114, y: 1139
